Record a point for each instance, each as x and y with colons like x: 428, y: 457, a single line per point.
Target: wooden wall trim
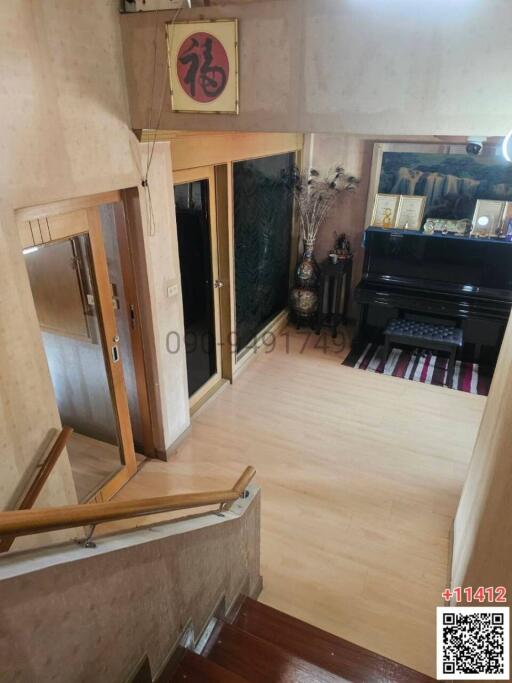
x: 190, y: 150
x: 66, y: 206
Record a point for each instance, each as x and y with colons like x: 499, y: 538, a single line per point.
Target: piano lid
x: 454, y: 263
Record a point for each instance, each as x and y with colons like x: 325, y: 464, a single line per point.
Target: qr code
x: 473, y: 643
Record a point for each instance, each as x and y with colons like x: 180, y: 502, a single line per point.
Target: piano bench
x: 426, y: 335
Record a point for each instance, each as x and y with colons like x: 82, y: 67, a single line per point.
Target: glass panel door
x: 199, y: 284
x: 74, y: 305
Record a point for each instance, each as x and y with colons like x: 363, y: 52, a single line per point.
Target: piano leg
x: 478, y: 352
x: 385, y: 354
x: 361, y: 325
x: 451, y: 368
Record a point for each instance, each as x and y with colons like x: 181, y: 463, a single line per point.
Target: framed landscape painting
x: 203, y: 66
x: 451, y: 180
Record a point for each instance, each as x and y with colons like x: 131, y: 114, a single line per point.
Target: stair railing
x: 34, y: 489
x: 41, y: 520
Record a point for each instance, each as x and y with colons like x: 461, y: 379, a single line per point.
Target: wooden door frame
x: 188, y: 176
x: 133, y: 312
x: 115, y: 372
x: 137, y: 251
x: 49, y: 223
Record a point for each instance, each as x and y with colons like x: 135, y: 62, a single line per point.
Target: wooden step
x: 259, y: 661
x: 196, y: 669
x: 321, y: 648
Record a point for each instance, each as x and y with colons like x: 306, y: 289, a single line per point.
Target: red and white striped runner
x: 420, y: 366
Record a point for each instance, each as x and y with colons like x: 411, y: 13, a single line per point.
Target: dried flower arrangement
x: 315, y: 197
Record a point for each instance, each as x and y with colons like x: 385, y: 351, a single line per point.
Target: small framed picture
x: 410, y: 212
x: 506, y: 222
x: 203, y: 66
x: 384, y: 210
x: 487, y: 218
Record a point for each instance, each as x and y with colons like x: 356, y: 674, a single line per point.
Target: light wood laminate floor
x: 93, y: 463
x: 360, y: 477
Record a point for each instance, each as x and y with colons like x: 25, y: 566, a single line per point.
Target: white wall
x: 372, y: 67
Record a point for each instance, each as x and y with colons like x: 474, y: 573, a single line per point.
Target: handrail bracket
x: 87, y: 542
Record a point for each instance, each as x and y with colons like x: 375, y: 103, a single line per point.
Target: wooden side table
x: 332, y: 278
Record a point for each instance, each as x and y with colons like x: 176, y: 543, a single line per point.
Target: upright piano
x: 464, y: 279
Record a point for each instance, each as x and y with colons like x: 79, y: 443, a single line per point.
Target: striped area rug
x: 420, y: 365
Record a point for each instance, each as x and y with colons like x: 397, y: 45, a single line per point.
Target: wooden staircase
x: 263, y: 645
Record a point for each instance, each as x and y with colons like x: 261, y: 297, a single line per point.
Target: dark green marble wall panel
x: 263, y: 215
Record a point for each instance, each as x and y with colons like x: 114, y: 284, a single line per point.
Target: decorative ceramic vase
x: 304, y: 296
x: 307, y: 271
x: 304, y: 302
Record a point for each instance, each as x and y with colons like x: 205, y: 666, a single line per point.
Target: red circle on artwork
x: 203, y: 67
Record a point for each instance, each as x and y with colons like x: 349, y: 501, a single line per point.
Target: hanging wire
x: 150, y: 216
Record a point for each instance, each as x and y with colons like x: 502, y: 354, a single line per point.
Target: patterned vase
x: 304, y: 302
x: 307, y: 271
x: 304, y: 296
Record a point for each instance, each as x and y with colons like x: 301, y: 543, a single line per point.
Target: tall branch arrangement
x: 316, y: 196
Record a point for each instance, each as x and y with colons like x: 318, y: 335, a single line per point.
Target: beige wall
x: 482, y: 551
x: 347, y: 66
x: 75, y: 615
x: 162, y: 257
x: 348, y: 215
x: 65, y: 133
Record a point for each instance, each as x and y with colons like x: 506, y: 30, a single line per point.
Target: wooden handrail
x: 245, y: 479
x: 33, y: 491
x: 23, y: 523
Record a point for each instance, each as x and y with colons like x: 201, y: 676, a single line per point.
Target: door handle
x: 115, y: 353
x: 115, y: 349
x: 218, y: 284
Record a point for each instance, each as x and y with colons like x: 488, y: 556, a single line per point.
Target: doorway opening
x: 80, y: 276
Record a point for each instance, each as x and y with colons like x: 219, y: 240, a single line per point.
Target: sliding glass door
x: 75, y: 303
x: 197, y: 243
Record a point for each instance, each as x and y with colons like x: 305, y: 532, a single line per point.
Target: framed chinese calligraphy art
x: 203, y: 66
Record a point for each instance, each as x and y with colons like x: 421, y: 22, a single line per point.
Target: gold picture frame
x: 487, y: 219
x: 203, y: 66
x: 506, y: 220
x: 411, y: 209
x: 385, y: 207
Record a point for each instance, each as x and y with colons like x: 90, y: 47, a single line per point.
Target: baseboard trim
x: 188, y: 639
x: 171, y: 450
x: 256, y: 592
x: 251, y: 350
x: 201, y: 404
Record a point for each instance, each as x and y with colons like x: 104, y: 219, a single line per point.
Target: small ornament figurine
x: 386, y: 219
x: 342, y: 246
